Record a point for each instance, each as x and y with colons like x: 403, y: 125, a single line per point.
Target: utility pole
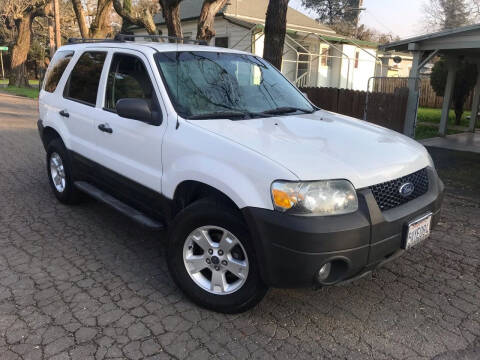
x: 56, y: 12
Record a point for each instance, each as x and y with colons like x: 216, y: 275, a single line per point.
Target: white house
x: 314, y: 55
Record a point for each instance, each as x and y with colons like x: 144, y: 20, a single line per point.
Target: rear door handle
x: 105, y: 128
x: 64, y: 113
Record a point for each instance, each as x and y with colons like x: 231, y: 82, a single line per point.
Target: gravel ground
x: 84, y: 282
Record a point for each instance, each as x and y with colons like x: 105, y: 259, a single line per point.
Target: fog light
x: 324, y: 271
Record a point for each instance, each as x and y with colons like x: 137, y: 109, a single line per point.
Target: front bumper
x: 291, y: 249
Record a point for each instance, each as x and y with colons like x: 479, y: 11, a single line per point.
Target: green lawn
x: 27, y: 92
x: 433, y: 116
x: 31, y: 82
x: 425, y: 132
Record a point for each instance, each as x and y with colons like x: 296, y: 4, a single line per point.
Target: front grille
x: 388, y: 195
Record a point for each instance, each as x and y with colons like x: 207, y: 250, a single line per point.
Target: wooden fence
x: 385, y: 109
x: 428, y: 97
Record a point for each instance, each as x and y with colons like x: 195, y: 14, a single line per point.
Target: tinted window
x: 56, y: 69
x: 83, y: 82
x: 127, y: 78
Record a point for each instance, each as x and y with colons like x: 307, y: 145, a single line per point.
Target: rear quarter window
x: 56, y: 69
x: 82, y: 85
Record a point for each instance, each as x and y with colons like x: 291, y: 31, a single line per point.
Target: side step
x: 125, y: 209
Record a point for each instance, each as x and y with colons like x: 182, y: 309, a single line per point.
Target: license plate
x: 418, y: 231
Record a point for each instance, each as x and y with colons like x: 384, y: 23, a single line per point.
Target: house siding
x: 223, y: 28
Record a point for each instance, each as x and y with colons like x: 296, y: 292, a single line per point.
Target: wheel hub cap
x: 216, y: 260
x: 57, y: 172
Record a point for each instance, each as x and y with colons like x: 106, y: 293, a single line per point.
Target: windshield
x: 214, y: 84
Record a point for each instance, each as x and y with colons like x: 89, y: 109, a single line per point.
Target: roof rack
x: 127, y: 37
x: 86, y: 40
x: 163, y: 38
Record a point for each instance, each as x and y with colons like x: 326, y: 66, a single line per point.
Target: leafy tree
x: 465, y: 80
x: 341, y: 15
x: 449, y: 14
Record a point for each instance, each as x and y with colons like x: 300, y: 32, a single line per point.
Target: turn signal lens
x: 281, y: 199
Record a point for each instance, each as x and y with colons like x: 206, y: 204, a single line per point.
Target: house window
x: 324, y: 57
x: 221, y: 41
x: 357, y: 57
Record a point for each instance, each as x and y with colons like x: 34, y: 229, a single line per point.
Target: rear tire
x: 229, y: 279
x: 59, y: 172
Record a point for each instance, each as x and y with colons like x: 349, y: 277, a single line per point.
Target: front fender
x: 242, y: 190
x: 245, y: 176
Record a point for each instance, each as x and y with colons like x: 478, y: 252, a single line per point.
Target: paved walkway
x: 83, y: 282
x: 461, y: 142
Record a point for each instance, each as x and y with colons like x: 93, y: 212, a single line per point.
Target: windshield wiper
x: 286, y: 110
x: 221, y: 115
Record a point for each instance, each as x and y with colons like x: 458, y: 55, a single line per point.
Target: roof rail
x: 87, y: 40
x: 163, y: 38
x: 128, y: 37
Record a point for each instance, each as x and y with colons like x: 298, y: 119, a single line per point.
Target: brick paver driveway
x: 84, y: 282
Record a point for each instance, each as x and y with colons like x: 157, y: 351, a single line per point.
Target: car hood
x: 326, y: 145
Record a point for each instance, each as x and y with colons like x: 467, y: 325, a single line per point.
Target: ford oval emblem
x: 406, y: 189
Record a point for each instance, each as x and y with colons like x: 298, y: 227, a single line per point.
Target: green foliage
x: 465, y: 80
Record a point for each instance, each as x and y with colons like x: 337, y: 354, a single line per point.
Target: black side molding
x: 125, y: 209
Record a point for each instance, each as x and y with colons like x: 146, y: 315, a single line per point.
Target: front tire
x: 211, y: 258
x: 59, y: 172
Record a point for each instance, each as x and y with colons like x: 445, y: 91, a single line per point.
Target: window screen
x: 83, y: 82
x: 56, y: 69
x: 127, y: 78
x: 221, y: 42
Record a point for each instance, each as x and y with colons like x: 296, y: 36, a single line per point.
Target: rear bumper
x: 41, y: 129
x: 292, y: 249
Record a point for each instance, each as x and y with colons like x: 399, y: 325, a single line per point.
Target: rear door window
x: 82, y: 85
x: 56, y: 69
x: 127, y: 78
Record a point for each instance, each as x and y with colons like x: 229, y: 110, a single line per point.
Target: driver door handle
x: 105, y: 128
x: 64, y: 113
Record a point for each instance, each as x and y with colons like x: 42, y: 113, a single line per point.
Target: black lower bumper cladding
x: 292, y: 249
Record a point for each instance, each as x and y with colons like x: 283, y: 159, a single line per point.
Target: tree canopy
x: 465, y: 80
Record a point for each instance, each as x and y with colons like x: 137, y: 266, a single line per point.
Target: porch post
x: 475, y: 102
x: 413, y: 92
x: 448, y: 95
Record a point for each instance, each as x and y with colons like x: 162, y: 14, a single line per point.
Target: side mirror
x: 137, y: 109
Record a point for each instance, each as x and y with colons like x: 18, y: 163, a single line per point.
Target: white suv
x: 257, y: 186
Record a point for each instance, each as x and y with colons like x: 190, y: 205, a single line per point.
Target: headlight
x: 330, y: 197
x: 430, y: 160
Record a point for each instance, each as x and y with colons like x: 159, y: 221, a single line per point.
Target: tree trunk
x: 210, y: 8
x: 275, y: 30
x: 80, y: 14
x: 458, y: 105
x: 101, y: 26
x: 51, y: 36
x: 56, y: 13
x: 145, y: 20
x: 171, y: 14
x: 18, y: 74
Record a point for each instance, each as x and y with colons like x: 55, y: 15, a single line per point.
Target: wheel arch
x: 189, y: 191
x: 49, y: 133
